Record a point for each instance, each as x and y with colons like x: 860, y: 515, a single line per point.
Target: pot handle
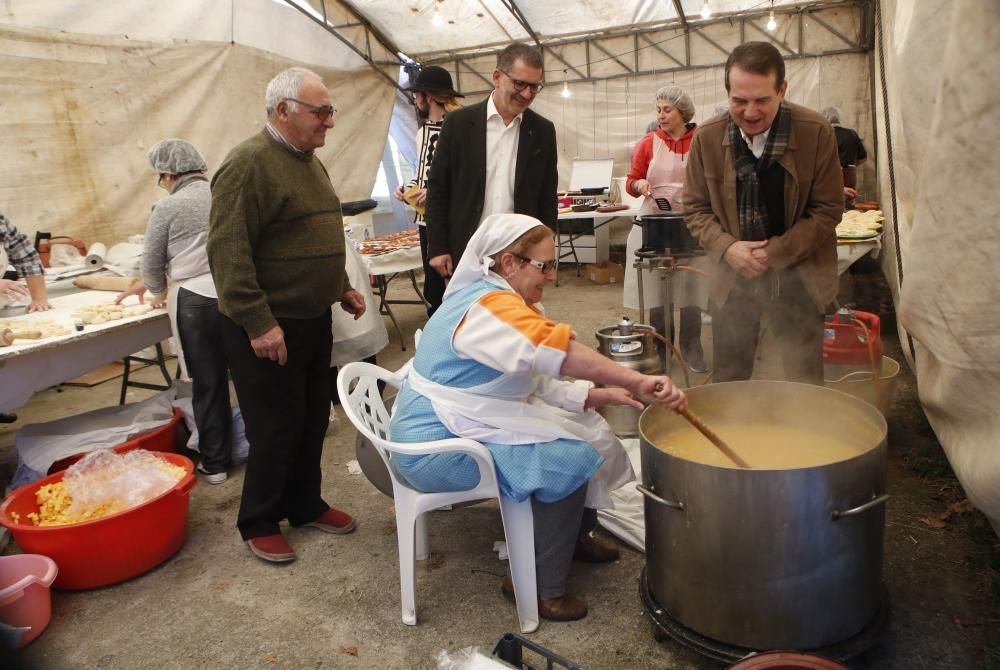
x: 876, y: 500
x: 657, y: 499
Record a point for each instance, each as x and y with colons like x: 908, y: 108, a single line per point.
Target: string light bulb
x: 706, y: 11
x: 437, y: 20
x: 771, y: 23
x: 565, y: 89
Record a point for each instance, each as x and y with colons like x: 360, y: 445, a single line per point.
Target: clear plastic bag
x: 469, y: 658
x: 110, y: 482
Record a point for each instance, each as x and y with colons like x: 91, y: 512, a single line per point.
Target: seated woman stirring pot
x: 490, y: 366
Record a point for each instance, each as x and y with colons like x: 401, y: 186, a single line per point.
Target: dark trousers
x: 690, y: 331
x: 199, y: 327
x: 557, y: 527
x: 433, y: 282
x: 793, y: 318
x: 286, y: 410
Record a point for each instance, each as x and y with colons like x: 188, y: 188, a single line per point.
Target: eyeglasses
x: 520, y: 84
x: 322, y: 113
x: 544, y: 267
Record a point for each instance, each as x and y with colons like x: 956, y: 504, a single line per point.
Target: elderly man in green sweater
x: 276, y: 249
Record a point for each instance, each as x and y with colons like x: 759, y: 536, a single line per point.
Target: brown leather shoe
x: 272, y: 548
x: 592, y: 548
x: 564, y: 608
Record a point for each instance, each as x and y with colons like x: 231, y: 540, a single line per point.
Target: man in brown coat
x: 763, y: 195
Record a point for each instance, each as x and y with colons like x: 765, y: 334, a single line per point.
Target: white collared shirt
x: 757, y: 143
x: 501, y: 161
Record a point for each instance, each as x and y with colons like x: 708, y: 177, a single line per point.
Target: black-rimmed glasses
x: 544, y: 267
x: 520, y: 84
x: 322, y: 112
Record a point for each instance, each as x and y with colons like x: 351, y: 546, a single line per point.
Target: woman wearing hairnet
x: 175, y: 271
x: 657, y: 171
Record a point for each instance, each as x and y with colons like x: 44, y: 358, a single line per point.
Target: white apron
x: 665, y: 175
x: 504, y: 412
x: 357, y: 340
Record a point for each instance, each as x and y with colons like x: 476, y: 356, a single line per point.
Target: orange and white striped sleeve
x: 500, y: 330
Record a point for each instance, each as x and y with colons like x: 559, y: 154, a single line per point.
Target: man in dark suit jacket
x: 494, y: 156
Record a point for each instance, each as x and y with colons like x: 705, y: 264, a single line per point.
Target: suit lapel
x: 477, y: 144
x: 525, y: 147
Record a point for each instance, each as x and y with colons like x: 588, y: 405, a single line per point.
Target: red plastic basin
x: 162, y: 438
x: 110, y: 549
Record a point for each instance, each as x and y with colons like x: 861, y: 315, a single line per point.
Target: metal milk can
x: 633, y: 346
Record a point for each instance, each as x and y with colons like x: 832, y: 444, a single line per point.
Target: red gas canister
x: 846, y: 342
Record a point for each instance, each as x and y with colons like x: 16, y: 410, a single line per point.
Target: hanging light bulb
x: 771, y: 23
x: 437, y: 20
x: 565, y: 89
x: 706, y: 11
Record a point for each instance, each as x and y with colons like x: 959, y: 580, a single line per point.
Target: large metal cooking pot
x: 767, y: 559
x: 667, y: 234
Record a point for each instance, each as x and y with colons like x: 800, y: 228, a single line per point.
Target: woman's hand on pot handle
x: 660, y: 390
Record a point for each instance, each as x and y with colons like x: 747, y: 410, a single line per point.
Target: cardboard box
x: 605, y: 273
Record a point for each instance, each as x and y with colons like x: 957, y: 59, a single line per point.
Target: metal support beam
x: 680, y: 14
x: 519, y: 17
x: 833, y: 31
x: 569, y: 66
x: 596, y: 46
x: 770, y: 36
x: 369, y: 32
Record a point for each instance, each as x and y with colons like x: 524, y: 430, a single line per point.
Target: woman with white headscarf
x: 489, y: 366
x: 175, y: 271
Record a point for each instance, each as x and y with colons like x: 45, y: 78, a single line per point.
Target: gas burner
x: 667, y: 625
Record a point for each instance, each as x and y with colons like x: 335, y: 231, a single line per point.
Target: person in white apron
x: 657, y: 174
x: 489, y: 366
x: 175, y: 271
x: 355, y: 339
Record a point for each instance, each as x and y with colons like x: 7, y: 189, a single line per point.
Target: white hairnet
x: 677, y: 97
x: 495, y: 233
x: 176, y: 157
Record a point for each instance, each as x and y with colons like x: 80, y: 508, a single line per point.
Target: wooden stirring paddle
x: 713, y: 438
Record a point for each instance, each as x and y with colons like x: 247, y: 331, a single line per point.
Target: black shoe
x: 8, y: 418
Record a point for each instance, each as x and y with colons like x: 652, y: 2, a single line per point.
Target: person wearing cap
x: 433, y: 97
x: 657, y: 173
x: 492, y: 157
x: 175, y: 271
x: 492, y: 367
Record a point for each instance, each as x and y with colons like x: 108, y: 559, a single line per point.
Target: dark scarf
x: 750, y: 203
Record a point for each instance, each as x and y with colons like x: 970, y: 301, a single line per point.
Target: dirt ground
x: 214, y: 606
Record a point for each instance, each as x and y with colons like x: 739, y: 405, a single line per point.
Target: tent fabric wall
x: 945, y: 130
x: 80, y: 113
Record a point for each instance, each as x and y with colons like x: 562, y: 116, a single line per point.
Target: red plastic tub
x: 110, y: 549
x: 25, y: 601
x: 162, y: 438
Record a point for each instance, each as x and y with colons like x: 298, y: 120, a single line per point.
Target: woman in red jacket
x: 657, y: 171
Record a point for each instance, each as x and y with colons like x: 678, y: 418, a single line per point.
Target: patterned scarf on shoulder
x: 750, y: 203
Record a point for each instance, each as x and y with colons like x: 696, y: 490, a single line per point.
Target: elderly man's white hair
x: 832, y: 114
x: 287, y: 84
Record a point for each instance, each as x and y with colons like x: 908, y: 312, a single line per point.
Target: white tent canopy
x: 90, y: 86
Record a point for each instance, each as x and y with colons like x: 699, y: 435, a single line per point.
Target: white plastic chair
x: 362, y: 402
